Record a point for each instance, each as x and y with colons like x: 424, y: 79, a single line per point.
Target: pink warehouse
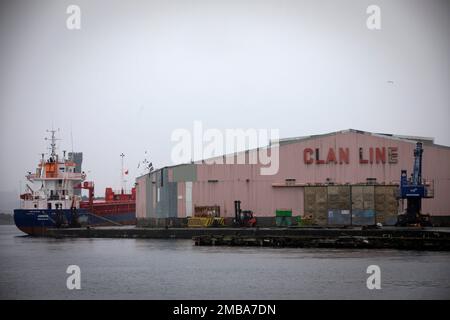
x: 344, y: 157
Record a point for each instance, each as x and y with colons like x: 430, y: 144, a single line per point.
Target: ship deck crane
x: 414, y: 190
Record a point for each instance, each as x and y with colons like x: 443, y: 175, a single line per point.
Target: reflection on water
x: 35, y: 268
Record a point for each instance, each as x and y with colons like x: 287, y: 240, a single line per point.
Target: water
x: 35, y: 268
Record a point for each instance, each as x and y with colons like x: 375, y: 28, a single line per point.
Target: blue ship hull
x: 36, y: 221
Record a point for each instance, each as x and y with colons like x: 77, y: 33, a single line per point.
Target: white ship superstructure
x: 53, y: 183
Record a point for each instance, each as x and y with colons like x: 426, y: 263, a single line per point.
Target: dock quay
x: 386, y: 237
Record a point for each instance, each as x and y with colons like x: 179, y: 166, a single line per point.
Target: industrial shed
x: 344, y: 177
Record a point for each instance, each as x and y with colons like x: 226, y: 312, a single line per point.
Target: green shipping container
x: 283, y: 213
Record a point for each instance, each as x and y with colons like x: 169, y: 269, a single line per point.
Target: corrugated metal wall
x: 363, y: 205
x: 156, y: 197
x: 141, y: 197
x: 339, y: 205
x: 316, y: 204
x: 352, y: 205
x: 386, y: 204
x: 183, y: 173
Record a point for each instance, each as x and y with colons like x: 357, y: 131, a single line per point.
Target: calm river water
x: 35, y: 268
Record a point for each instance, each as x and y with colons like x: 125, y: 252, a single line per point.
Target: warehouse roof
x: 413, y: 139
x: 425, y: 140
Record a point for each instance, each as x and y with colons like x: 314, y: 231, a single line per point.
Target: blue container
x: 363, y: 217
x: 339, y: 217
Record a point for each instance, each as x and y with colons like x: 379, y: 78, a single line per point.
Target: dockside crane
x: 414, y: 190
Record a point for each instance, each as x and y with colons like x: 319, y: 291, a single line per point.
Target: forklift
x: 243, y: 218
x: 414, y: 190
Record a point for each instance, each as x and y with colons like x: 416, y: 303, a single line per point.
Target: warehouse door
x: 315, y: 203
x: 363, y: 205
x: 386, y: 204
x: 339, y: 205
x: 188, y: 198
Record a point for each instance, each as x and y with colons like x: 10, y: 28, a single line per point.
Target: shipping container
x: 283, y: 213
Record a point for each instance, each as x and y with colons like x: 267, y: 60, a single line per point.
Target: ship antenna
x: 122, y: 180
x: 52, y: 142
x: 71, y: 136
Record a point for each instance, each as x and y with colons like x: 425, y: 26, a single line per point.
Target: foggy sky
x: 137, y: 70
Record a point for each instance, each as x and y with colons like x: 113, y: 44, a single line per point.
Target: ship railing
x: 32, y: 176
x: 60, y: 197
x: 59, y: 175
x: 73, y: 175
x: 119, y: 191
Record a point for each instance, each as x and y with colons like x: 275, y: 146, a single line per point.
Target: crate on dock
x: 207, y: 211
x: 204, y: 222
x: 304, y: 220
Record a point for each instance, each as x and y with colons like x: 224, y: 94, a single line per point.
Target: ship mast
x: 122, y: 179
x: 52, y: 143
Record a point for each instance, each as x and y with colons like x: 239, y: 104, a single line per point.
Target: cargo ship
x: 54, y: 200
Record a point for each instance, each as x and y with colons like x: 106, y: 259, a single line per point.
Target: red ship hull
x: 119, y: 207
x: 121, y: 212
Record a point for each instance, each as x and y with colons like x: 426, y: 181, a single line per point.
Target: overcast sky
x: 137, y: 70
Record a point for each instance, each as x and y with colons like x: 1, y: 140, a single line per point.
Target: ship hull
x: 35, y: 222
